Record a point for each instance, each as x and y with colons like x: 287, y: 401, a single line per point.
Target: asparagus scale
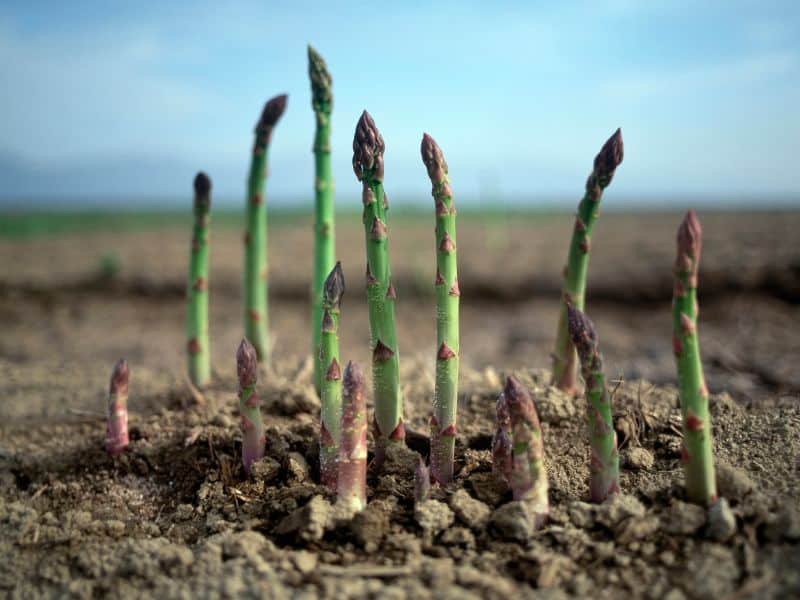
x: 445, y: 397
x: 574, y: 286
x: 198, y: 350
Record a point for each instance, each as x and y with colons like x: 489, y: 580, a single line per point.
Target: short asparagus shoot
x: 255, y: 262
x: 251, y: 424
x: 574, y: 286
x: 697, y: 452
x: 604, y: 457
x: 445, y: 396
x: 368, y: 149
x: 331, y: 393
x: 324, y: 234
x: 197, y: 346
x: 528, y: 474
x: 352, y: 479
x: 117, y: 424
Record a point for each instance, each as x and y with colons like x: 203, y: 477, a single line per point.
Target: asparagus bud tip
x: 246, y: 363
x: 273, y: 110
x: 334, y: 286
x: 119, y: 378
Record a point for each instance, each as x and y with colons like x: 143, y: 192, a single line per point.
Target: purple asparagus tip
x: 353, y: 376
x: 119, y: 378
x: 202, y: 184
x: 520, y: 404
x: 690, y: 237
x: 581, y: 331
x: 333, y: 289
x: 368, y: 149
x: 433, y: 158
x: 610, y: 156
x: 273, y: 110
x: 246, y: 364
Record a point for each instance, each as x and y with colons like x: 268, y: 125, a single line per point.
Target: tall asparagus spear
x: 528, y: 474
x: 252, y: 426
x: 697, y: 454
x: 197, y: 314
x: 352, y: 480
x: 445, y: 397
x: 574, y: 287
x: 502, y: 442
x: 368, y: 148
x: 604, y: 463
x: 255, y: 262
x: 324, y: 233
x: 331, y: 394
x: 117, y: 424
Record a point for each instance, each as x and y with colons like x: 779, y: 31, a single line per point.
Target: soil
x: 174, y: 516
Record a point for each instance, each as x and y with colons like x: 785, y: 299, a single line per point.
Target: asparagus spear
x: 252, y: 426
x: 574, y: 287
x: 696, y: 454
x: 422, y: 482
x: 445, y: 398
x: 502, y: 442
x: 352, y: 480
x: 197, y: 314
x: 255, y: 263
x: 324, y: 233
x: 604, y: 462
x: 368, y: 148
x: 117, y: 424
x: 528, y: 475
x: 331, y: 393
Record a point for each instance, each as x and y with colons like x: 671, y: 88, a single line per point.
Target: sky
x: 120, y: 103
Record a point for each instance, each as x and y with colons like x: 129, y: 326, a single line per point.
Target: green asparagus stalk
x: 422, y: 482
x: 352, y: 479
x: 368, y: 148
x: 324, y: 233
x: 528, y: 474
x: 574, y: 286
x: 255, y: 262
x: 604, y: 461
x: 331, y: 395
x: 252, y: 426
x: 502, y: 441
x: 445, y: 397
x: 696, y: 454
x: 198, y: 347
x: 117, y: 424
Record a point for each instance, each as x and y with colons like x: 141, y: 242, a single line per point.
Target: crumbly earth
x: 175, y: 517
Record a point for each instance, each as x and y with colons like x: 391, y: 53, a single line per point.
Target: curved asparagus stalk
x: 528, y: 474
x: 252, y: 426
x: 697, y: 453
x: 324, y: 233
x: 117, y: 424
x: 255, y: 262
x: 574, y: 287
x: 352, y: 480
x: 445, y: 397
x: 422, y: 482
x: 604, y: 463
x: 198, y: 347
x: 502, y: 442
x: 331, y: 393
x: 368, y: 148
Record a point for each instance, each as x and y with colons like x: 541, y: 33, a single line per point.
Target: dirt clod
x: 473, y: 513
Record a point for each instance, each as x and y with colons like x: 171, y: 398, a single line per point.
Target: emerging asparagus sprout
x: 574, y: 287
x: 445, y: 397
x: 697, y: 453
x: 197, y: 346
x: 422, y: 482
x: 331, y: 393
x: 352, y: 480
x: 528, y: 474
x: 502, y: 441
x: 368, y: 148
x: 604, y: 462
x: 117, y: 423
x: 324, y: 232
x: 255, y: 263
x: 252, y: 426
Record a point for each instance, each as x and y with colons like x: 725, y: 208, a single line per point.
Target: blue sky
x: 105, y: 100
